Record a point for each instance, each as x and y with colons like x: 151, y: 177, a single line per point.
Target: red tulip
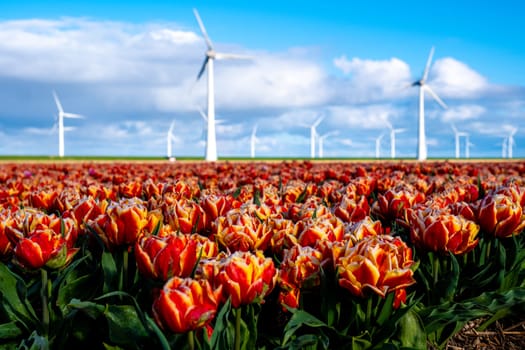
x: 377, y: 263
x: 439, y: 231
x: 247, y: 277
x: 501, y: 216
x: 185, y: 304
x: 43, y: 247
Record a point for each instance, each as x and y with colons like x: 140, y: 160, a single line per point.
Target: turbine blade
x: 254, y: 130
x: 203, y: 115
x: 435, y: 96
x: 232, y: 56
x: 57, y: 102
x: 203, y: 30
x: 203, y: 68
x: 429, y: 61
x: 318, y: 121
x: 170, y: 131
x: 454, y: 128
x: 73, y: 115
x: 69, y: 128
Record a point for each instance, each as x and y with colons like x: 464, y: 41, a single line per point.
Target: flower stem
x: 44, y: 295
x: 436, y: 269
x: 238, y: 329
x: 191, y: 340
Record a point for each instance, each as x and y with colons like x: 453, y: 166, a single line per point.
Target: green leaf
x: 92, y: 309
x: 299, y: 319
x: 109, y: 267
x: 224, y: 331
x: 412, y: 332
x: 112, y: 347
x: 125, y: 327
x: 13, y: 298
x: 34, y: 342
x: 10, y: 330
x: 302, y: 197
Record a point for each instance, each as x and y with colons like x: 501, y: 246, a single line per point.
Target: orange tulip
x: 329, y: 228
x: 352, y: 210
x: 300, y: 268
x: 122, y: 223
x: 186, y: 216
x: 185, y: 304
x: 43, y: 247
x: 377, y: 263
x: 501, y: 216
x: 247, y: 277
x: 241, y: 231
x: 440, y: 231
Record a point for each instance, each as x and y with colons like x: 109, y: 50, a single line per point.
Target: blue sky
x: 130, y: 68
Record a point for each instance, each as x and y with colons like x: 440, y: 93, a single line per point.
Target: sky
x: 130, y: 68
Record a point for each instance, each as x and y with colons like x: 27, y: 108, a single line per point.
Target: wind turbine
x: 321, y: 141
x: 468, y: 144
x: 61, y: 129
x: 253, y: 140
x: 378, y: 145
x: 313, y: 134
x: 421, y: 139
x: 457, y: 135
x: 393, y: 133
x: 511, y: 141
x: 169, y: 139
x: 210, y: 56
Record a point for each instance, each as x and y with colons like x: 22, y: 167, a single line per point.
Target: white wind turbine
x: 457, y: 135
x: 510, y: 140
x: 378, y: 145
x: 421, y: 139
x: 253, y: 140
x: 170, y: 138
x: 393, y: 133
x: 313, y: 135
x: 210, y: 56
x: 321, y: 141
x: 468, y: 144
x: 61, y: 128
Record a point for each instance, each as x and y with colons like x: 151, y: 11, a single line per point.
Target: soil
x: 508, y: 334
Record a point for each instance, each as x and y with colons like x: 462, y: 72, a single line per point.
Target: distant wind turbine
x: 321, y: 141
x: 313, y: 135
x: 378, y: 145
x: 210, y: 56
x: 393, y: 133
x: 253, y: 140
x: 468, y: 144
x: 421, y: 140
x: 457, y: 135
x: 170, y: 138
x: 61, y: 128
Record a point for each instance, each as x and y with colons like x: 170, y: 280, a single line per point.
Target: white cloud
x: 454, y: 79
x: 364, y: 117
x: 374, y: 79
x: 462, y: 113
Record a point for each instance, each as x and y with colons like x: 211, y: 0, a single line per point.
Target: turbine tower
x: 313, y: 134
x: 510, y: 140
x: 321, y: 141
x: 423, y: 87
x: 210, y: 56
x: 468, y: 144
x: 61, y: 129
x: 253, y: 140
x: 393, y: 133
x: 170, y: 138
x: 378, y: 145
x: 457, y: 135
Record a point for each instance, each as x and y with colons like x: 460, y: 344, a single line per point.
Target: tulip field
x: 260, y: 255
